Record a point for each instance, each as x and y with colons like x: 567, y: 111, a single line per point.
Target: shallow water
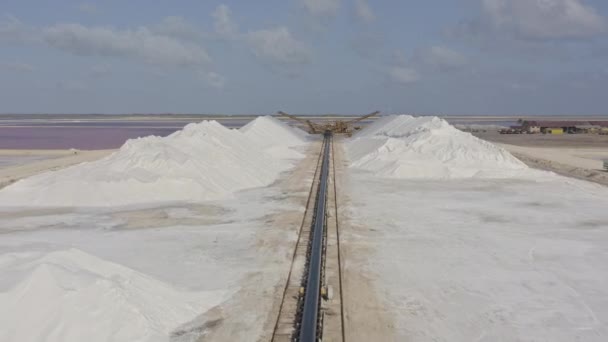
x: 85, y: 135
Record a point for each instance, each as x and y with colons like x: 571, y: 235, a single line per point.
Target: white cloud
x: 141, y: 44
x: 321, y: 7
x: 88, y: 8
x: 12, y: 30
x: 223, y: 23
x: 100, y: 70
x: 10, y: 25
x: 544, y: 19
x: 178, y: 27
x: 367, y: 44
x: 277, y: 45
x: 72, y: 85
x: 16, y: 66
x: 425, y: 61
x: 214, y: 80
x: 442, y: 58
x: 173, y: 42
x: 403, y: 75
x: 399, y: 57
x: 364, y: 12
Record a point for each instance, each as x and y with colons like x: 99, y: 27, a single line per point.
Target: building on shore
x: 593, y: 129
x: 553, y: 131
x: 566, y: 126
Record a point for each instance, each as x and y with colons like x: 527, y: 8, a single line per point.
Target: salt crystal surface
x: 277, y: 138
x: 201, y: 162
x: 269, y: 131
x: 64, y: 293
x: 404, y: 146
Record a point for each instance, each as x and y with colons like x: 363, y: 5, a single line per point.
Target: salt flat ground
x: 186, y: 237
x: 460, y: 241
x: 18, y: 164
x: 587, y: 158
x: 577, y: 150
x: 227, y: 259
x: 6, y: 161
x: 572, y: 155
x: 205, y: 249
x: 484, y: 260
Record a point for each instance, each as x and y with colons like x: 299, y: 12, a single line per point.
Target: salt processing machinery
x: 334, y: 126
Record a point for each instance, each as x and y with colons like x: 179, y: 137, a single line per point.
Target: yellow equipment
x: 335, y: 127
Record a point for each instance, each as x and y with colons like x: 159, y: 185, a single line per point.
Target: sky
x: 443, y: 57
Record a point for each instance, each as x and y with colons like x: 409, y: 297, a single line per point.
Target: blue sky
x: 305, y: 56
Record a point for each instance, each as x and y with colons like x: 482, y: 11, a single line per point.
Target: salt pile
x: 275, y: 136
x: 200, y: 162
x: 269, y: 131
x: 69, y: 295
x: 403, y: 146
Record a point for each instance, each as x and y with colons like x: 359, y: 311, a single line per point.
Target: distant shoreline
x: 97, y: 131
x: 103, y: 117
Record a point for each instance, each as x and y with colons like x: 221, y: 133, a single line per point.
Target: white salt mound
x: 276, y: 137
x: 269, y: 131
x: 200, y: 162
x: 69, y: 295
x: 403, y: 146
